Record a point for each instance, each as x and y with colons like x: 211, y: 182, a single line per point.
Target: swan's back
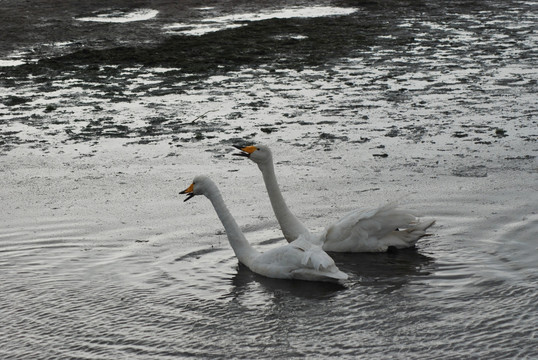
x: 372, y: 230
x: 299, y: 259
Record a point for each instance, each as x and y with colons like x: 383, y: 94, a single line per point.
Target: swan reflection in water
x: 385, y: 272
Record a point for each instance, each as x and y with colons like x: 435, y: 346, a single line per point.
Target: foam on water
x: 238, y: 20
x: 11, y: 62
x: 119, y: 16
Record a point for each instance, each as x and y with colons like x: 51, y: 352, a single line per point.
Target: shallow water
x: 68, y: 293
x: 433, y: 104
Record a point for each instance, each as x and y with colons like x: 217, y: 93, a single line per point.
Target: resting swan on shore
x: 372, y: 230
x: 300, y: 259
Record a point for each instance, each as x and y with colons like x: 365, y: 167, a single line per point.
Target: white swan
x: 359, y: 231
x: 298, y: 260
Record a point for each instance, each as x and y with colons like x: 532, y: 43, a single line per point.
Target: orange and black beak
x: 246, y: 151
x: 189, y: 191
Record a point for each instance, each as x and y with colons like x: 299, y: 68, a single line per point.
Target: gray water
x: 99, y: 259
x: 67, y: 297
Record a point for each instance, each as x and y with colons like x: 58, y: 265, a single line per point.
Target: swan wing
x: 298, y: 260
x: 315, y: 261
x: 374, y: 230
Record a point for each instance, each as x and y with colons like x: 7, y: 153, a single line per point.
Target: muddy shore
x: 349, y: 97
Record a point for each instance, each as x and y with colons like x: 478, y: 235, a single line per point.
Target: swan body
x: 300, y: 259
x: 373, y: 230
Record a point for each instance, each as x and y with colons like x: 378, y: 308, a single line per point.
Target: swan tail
x: 339, y: 275
x: 316, y: 263
x: 309, y: 274
x: 408, y: 237
x: 423, y: 226
x: 322, y: 263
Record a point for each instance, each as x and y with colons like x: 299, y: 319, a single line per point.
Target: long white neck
x: 243, y: 250
x: 290, y: 225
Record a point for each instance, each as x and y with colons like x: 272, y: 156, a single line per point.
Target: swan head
x: 260, y: 154
x: 201, y: 185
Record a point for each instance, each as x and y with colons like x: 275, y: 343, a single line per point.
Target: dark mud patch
x: 228, y: 50
x: 471, y: 171
x: 314, y: 41
x: 399, y: 70
x: 15, y: 100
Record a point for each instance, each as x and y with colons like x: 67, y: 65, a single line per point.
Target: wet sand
x: 136, y: 187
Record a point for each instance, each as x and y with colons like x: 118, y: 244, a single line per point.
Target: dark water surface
x: 456, y: 77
